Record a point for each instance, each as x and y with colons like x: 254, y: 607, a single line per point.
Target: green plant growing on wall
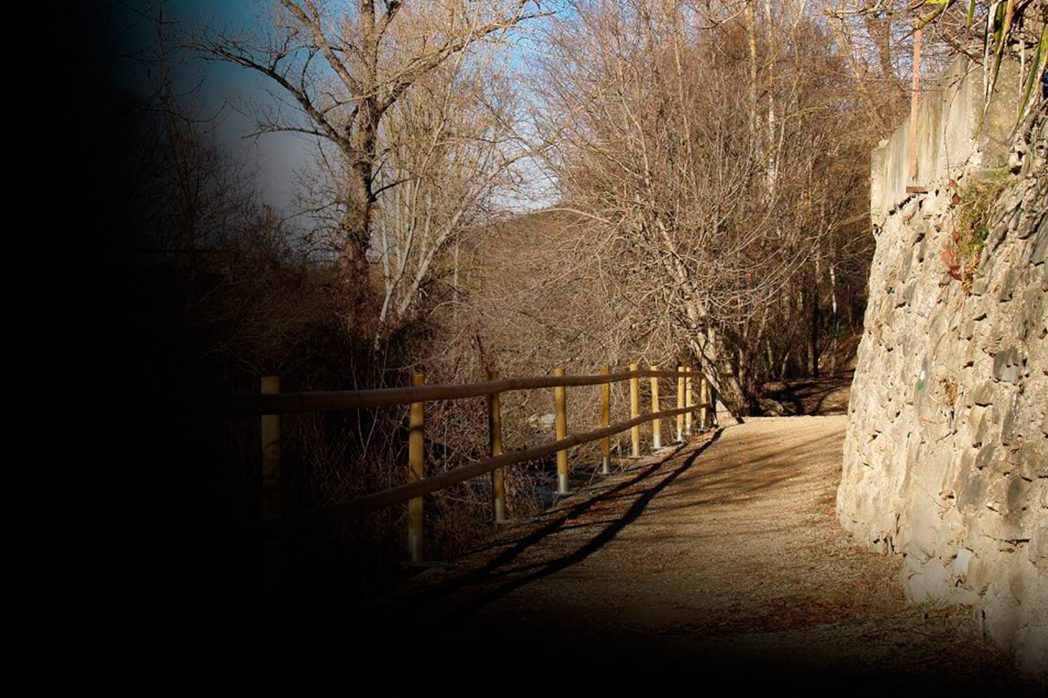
x: 972, y: 207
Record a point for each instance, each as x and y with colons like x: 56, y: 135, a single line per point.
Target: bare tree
x: 697, y: 140
x: 345, y: 68
x: 656, y: 161
x: 452, y: 152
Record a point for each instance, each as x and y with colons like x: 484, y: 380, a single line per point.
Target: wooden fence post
x: 689, y: 401
x: 680, y: 404
x: 560, y: 404
x: 272, y: 504
x: 416, y: 469
x: 656, y: 424
x: 635, y: 411
x: 605, y: 420
x: 272, y: 500
x: 704, y: 401
x: 498, y: 482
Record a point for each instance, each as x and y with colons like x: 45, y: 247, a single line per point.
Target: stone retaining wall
x: 946, y: 456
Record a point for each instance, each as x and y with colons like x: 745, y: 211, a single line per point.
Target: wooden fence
x: 271, y: 403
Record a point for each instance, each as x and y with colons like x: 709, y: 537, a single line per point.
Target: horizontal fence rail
x: 271, y: 403
x: 402, y: 493
x: 339, y: 400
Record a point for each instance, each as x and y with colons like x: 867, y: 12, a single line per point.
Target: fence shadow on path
x: 496, y: 567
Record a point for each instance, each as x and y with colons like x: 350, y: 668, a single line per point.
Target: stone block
x: 1039, y: 255
x: 1032, y: 458
x: 1010, y: 422
x: 979, y: 286
x: 1018, y: 497
x: 1008, y: 365
x: 961, y: 562
x: 1037, y: 551
x: 1006, y: 288
x: 983, y: 394
x: 1003, y: 619
x: 980, y: 574
x: 986, y: 455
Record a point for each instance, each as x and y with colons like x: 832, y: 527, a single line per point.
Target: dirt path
x: 723, y: 559
x: 810, y: 396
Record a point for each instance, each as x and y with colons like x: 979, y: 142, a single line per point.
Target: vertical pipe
x: 560, y: 404
x: 635, y: 411
x: 272, y: 506
x: 498, y: 482
x: 656, y: 424
x: 689, y: 401
x: 680, y: 403
x: 605, y: 420
x: 416, y: 469
x: 915, y: 100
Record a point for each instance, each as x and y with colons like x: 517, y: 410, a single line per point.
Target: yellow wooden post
x: 272, y: 506
x: 561, y: 407
x: 272, y: 501
x: 680, y: 403
x: 605, y: 420
x: 689, y: 401
x: 704, y: 402
x: 635, y: 411
x: 656, y: 424
x: 416, y: 469
x: 498, y: 483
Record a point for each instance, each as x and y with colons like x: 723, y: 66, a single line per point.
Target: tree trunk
x: 718, y: 366
x: 815, y: 330
x: 740, y: 367
x: 361, y: 301
x: 835, y: 349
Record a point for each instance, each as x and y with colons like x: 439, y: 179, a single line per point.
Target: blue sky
x: 221, y: 91
x: 226, y: 92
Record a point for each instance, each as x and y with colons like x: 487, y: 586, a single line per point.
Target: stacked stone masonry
x: 946, y: 456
